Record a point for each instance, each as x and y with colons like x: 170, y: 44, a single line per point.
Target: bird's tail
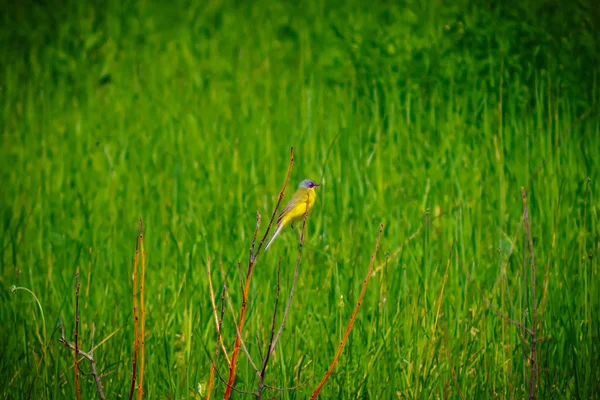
x: 279, y: 226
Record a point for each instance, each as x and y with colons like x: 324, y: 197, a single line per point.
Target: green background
x: 414, y: 115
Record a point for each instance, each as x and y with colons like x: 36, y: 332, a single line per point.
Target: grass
x: 184, y: 115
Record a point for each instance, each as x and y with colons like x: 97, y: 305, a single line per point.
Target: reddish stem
x: 246, y: 290
x: 352, y: 318
x: 143, y: 313
x: 135, y: 319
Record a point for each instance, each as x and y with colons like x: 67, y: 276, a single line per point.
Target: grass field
x: 428, y: 118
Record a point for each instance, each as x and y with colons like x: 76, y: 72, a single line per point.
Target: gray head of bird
x: 307, y: 184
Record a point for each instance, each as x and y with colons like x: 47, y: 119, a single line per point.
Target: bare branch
x: 246, y: 289
x: 281, y: 194
x: 237, y: 329
x: 265, y: 361
x: 270, y: 347
x: 88, y: 356
x: 352, y: 319
x: 142, y: 312
x: 293, y: 288
x: 230, y: 386
x: 135, y: 315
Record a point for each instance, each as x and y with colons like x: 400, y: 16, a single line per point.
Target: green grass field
x: 428, y: 118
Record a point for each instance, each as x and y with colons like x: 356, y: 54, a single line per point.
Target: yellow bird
x: 296, y: 207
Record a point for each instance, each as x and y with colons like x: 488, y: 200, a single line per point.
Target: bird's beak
x: 317, y: 184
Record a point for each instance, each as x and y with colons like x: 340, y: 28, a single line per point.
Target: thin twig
x: 293, y: 288
x: 230, y: 386
x: 271, y: 345
x: 135, y: 317
x: 143, y: 313
x: 246, y: 289
x: 274, y: 339
x: 279, y: 199
x: 88, y: 356
x: 237, y: 330
x: 352, y: 318
x: 265, y: 361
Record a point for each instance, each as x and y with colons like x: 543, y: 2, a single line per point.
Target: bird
x: 301, y: 202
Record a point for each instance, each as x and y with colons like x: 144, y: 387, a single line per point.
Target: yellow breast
x: 312, y: 195
x: 297, y: 205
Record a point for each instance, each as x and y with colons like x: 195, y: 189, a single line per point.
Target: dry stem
x: 291, y: 295
x: 237, y: 331
x: 270, y: 347
x: 143, y: 313
x: 135, y: 316
x: 246, y: 289
x: 274, y: 339
x: 80, y: 353
x: 352, y: 318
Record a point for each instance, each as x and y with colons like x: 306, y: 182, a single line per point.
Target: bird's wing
x: 298, y: 197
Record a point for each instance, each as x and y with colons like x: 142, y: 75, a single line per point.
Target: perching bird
x: 296, y: 207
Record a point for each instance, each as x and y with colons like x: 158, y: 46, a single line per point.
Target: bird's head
x: 307, y: 184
